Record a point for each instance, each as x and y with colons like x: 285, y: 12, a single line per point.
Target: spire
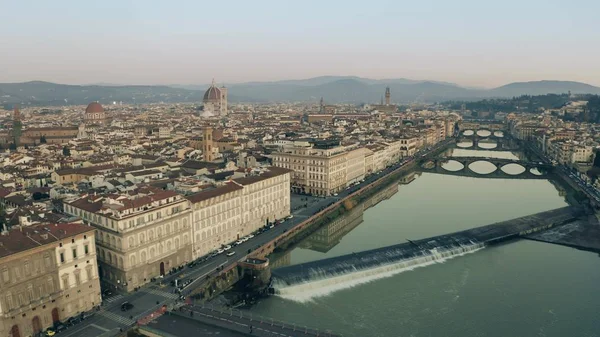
x: 213, y: 82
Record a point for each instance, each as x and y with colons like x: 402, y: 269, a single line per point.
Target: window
x: 5, y: 275
x: 86, y: 249
x: 74, y: 253
x: 62, y: 257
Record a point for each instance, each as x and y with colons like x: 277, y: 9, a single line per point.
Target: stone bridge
x: 482, y: 125
x: 435, y: 166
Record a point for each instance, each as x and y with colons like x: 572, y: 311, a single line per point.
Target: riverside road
x: 109, y: 320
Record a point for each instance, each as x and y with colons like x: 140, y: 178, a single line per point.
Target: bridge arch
x: 513, y: 169
x: 484, y: 133
x: 452, y: 165
x: 485, y: 167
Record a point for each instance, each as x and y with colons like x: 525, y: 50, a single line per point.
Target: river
x: 519, y: 289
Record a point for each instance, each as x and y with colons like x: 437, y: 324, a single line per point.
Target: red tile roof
x: 21, y: 239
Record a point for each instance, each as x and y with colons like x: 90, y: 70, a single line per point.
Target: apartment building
x: 355, y: 166
x: 141, y: 235
x: 318, y: 169
x: 49, y: 273
x: 228, y: 212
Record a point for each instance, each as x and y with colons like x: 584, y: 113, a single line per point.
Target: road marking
x: 99, y: 327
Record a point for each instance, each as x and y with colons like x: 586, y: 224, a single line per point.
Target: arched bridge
x: 436, y: 166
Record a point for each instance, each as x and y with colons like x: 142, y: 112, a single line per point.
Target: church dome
x: 212, y: 94
x: 94, y: 107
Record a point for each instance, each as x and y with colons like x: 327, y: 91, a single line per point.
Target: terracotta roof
x: 94, y: 107
x: 273, y: 172
x: 21, y: 239
x: 212, y: 193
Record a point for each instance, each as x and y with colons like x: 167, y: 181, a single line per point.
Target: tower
x: 387, y: 96
x: 321, y: 105
x: 17, y: 125
x: 207, y: 144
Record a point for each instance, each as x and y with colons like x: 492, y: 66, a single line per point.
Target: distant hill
x: 334, y: 89
x: 542, y: 88
x: 45, y: 93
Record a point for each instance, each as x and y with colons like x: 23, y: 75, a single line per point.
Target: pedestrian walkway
x: 261, y: 326
x: 116, y: 317
x: 160, y: 293
x: 112, y: 298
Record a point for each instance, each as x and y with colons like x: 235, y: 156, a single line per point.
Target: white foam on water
x: 308, y: 291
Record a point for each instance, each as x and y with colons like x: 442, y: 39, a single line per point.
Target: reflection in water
x: 481, y: 153
x: 468, y: 132
x: 464, y: 144
x: 498, y: 133
x: 482, y: 167
x: 513, y: 169
x: 330, y: 235
x: 487, y: 145
x: 483, y: 133
x: 452, y: 166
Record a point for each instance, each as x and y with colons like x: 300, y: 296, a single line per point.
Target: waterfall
x: 322, y: 282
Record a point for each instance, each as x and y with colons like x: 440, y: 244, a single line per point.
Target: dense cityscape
x: 299, y: 169
x: 169, y: 205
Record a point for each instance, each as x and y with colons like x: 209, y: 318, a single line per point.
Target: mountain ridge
x: 334, y: 89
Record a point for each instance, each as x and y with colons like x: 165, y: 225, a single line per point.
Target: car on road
x: 126, y: 306
x: 239, y: 242
x: 231, y: 253
x: 250, y: 236
x: 271, y: 226
x: 335, y: 194
x: 227, y: 247
x: 220, y: 251
x: 59, y: 327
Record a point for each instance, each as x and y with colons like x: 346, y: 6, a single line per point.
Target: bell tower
x: 207, y: 144
x: 17, y: 125
x: 387, y: 96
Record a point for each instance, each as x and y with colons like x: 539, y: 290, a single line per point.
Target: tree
x: 12, y: 146
x: 66, y: 151
x: 43, y: 140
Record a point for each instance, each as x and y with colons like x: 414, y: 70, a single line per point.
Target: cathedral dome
x: 94, y: 107
x: 212, y: 94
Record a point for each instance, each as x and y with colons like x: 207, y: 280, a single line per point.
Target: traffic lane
x: 181, y: 326
x: 91, y: 327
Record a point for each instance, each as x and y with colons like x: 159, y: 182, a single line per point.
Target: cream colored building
x: 48, y: 274
x: 317, y: 170
x: 139, y: 236
x: 226, y: 213
x: 355, y: 166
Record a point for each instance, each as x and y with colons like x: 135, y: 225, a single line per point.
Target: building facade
x: 49, y: 273
x: 226, y: 213
x: 139, y: 237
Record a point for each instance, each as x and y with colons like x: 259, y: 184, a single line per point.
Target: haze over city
x: 300, y: 169
x: 472, y: 43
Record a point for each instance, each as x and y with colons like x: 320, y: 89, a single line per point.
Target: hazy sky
x: 470, y: 42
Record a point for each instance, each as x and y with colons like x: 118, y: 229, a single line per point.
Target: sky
x: 480, y: 43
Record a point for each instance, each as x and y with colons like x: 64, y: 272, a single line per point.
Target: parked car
x: 231, y: 253
x: 59, y: 327
x: 239, y: 242
x: 220, y: 251
x: 50, y: 332
x: 227, y: 247
x: 126, y: 306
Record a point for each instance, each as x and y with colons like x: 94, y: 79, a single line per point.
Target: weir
x: 375, y: 263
